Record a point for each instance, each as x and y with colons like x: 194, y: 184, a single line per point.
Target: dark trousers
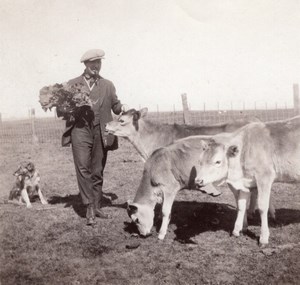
x: 89, y: 159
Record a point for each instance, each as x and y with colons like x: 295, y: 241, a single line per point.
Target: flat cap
x: 92, y: 54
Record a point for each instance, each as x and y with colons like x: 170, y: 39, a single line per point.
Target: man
x: 87, y: 136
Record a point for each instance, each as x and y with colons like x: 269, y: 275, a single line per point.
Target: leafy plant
x: 65, y: 97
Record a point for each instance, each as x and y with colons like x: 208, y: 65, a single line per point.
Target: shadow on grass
x: 193, y: 218
x: 75, y: 202
x: 284, y: 217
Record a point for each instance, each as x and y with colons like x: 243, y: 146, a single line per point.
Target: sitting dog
x: 27, y: 184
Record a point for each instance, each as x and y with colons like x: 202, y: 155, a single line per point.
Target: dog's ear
x: 19, y: 174
x: 18, y: 171
x: 30, y: 166
x: 20, y: 177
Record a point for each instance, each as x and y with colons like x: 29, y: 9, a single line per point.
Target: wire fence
x: 214, y: 117
x: 49, y: 130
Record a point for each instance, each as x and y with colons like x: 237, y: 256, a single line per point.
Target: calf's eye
x: 218, y: 162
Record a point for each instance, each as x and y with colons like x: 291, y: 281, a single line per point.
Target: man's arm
x: 116, y: 105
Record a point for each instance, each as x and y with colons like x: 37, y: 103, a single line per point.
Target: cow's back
x: 272, y: 147
x: 182, y: 131
x: 286, y: 140
x: 177, y: 160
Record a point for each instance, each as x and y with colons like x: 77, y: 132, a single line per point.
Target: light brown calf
x: 257, y: 155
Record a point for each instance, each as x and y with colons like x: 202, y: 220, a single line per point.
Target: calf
x: 257, y: 155
x: 167, y: 171
x: 148, y: 136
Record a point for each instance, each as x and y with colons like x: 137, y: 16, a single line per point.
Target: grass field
x: 52, y: 245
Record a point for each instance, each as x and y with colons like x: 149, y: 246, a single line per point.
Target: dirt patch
x: 52, y: 244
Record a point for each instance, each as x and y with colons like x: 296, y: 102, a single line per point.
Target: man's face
x: 93, y: 67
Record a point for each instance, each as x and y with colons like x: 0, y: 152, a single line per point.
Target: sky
x: 219, y: 52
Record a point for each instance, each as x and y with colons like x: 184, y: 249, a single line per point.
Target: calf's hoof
x: 236, y: 233
x: 91, y: 221
x: 262, y: 245
x: 29, y: 206
x: 161, y: 236
x: 263, y: 242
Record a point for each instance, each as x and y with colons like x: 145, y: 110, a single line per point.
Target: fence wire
x: 49, y: 130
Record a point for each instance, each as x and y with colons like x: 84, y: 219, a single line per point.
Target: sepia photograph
x: 149, y: 142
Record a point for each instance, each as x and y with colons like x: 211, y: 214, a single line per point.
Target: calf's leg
x: 241, y: 220
x: 166, y: 213
x: 253, y: 203
x: 263, y: 198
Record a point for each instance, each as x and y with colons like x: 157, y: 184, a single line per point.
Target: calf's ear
x: 131, y: 209
x: 204, y: 145
x: 232, y: 151
x: 143, y: 112
x: 136, y: 116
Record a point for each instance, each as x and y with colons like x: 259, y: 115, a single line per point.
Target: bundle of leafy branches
x: 66, y: 98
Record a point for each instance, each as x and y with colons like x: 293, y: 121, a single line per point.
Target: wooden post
x: 186, y: 114
x: 296, y: 99
x: 35, y: 139
x: 174, y: 114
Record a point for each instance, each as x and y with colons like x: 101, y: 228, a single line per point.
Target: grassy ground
x: 52, y: 245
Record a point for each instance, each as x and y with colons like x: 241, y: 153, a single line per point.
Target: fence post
x: 174, y: 114
x: 186, y: 114
x: 296, y: 99
x: 35, y: 139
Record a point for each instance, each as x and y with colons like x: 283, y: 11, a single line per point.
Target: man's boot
x: 90, y: 215
x: 98, y: 212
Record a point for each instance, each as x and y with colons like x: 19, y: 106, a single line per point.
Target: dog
x: 27, y: 184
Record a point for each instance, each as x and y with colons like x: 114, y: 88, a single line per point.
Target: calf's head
x: 213, y: 162
x: 127, y: 123
x: 142, y: 215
